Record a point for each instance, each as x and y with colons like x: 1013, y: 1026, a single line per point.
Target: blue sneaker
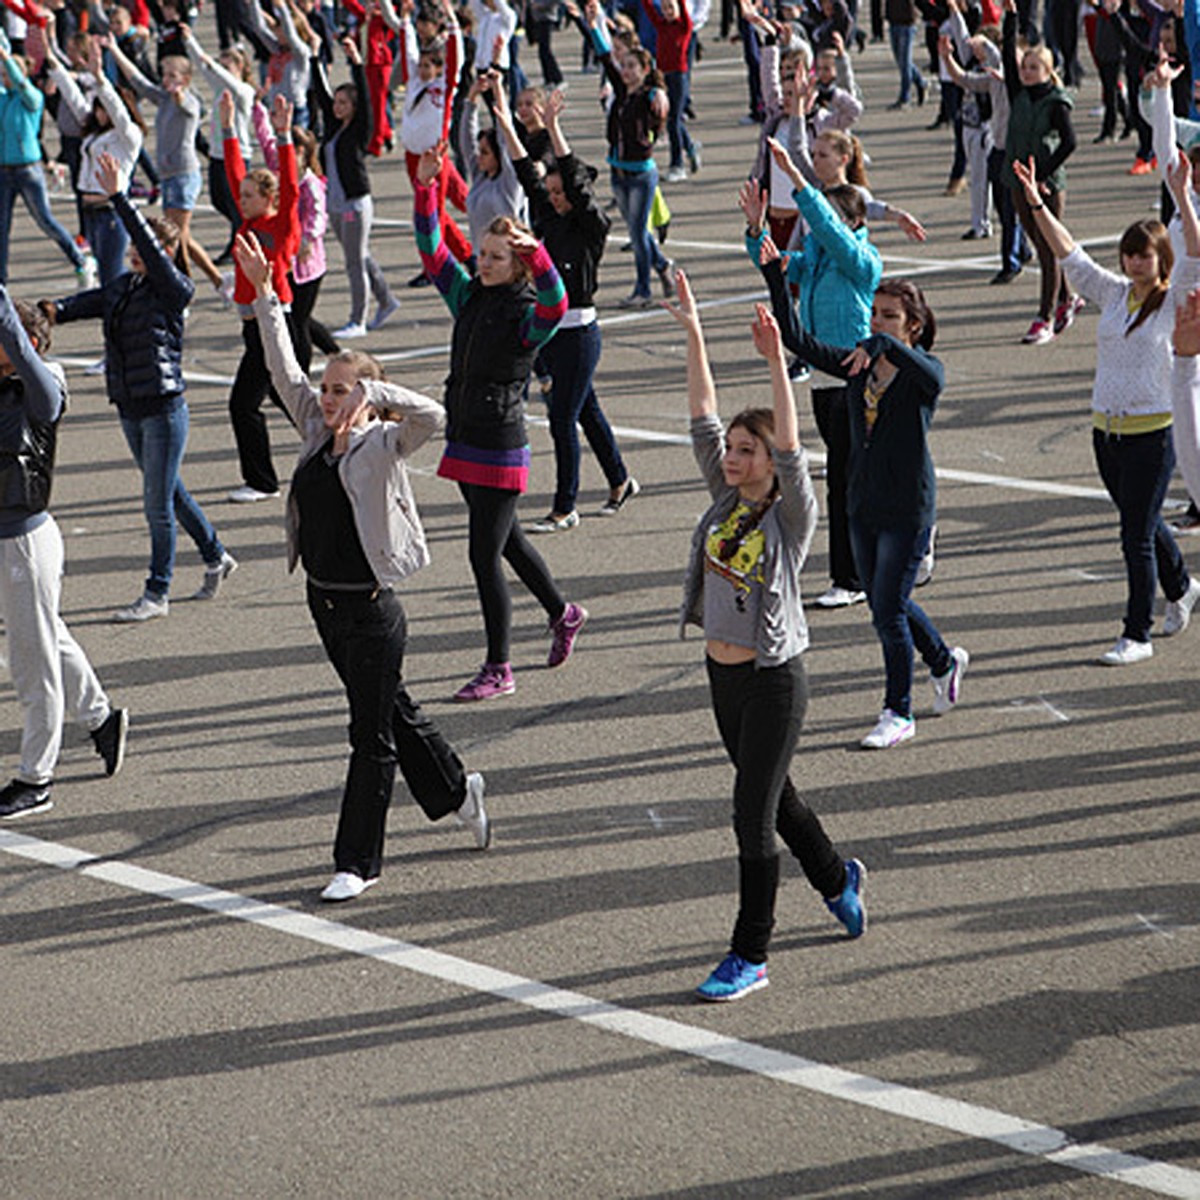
x: 849, y: 907
x: 734, y: 978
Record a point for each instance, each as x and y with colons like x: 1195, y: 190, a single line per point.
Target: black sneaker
x: 419, y: 280
x: 19, y: 799
x: 110, y: 740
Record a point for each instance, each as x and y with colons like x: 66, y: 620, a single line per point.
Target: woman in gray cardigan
x: 743, y: 589
x: 352, y: 521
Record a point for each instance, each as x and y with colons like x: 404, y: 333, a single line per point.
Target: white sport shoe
x: 226, y: 286
x: 215, y: 575
x: 144, y: 608
x: 472, y: 814
x: 88, y: 275
x: 349, y: 331
x: 1126, y: 651
x: 346, y: 885
x: 248, y: 495
x: 839, y: 597
x: 1179, y: 612
x: 891, y: 730
x: 384, y: 313
x: 947, y: 688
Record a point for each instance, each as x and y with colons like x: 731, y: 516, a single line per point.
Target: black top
x: 330, y: 548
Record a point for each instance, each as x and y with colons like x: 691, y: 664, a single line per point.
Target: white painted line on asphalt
x: 1042, y: 703
x: 956, y: 1116
x: 1153, y: 926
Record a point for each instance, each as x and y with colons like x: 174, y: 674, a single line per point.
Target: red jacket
x: 279, y: 235
x: 673, y: 37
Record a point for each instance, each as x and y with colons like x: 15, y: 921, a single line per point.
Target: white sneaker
x: 96, y: 368
x: 1179, y: 612
x: 472, y: 814
x: 143, y: 608
x: 351, y: 329
x: 891, y: 730
x: 555, y: 524
x: 248, y: 495
x: 675, y: 175
x: 88, y: 276
x: 946, y: 688
x: 1127, y: 651
x: 839, y: 597
x: 346, y: 885
x: 925, y: 570
x: 383, y: 314
x: 214, y: 576
x: 226, y: 286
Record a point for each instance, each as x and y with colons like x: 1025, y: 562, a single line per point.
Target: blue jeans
x: 1014, y: 249
x: 157, y: 444
x: 902, y: 44
x: 679, y: 87
x: 634, y: 192
x: 29, y: 183
x: 570, y: 358
x: 109, y: 241
x: 1136, y: 471
x: 887, y: 562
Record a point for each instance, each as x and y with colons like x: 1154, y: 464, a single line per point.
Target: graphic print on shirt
x: 739, y: 562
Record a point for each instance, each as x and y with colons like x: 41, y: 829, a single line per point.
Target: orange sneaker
x: 1141, y: 167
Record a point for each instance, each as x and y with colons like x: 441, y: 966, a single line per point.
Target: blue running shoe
x: 849, y: 907
x: 734, y: 978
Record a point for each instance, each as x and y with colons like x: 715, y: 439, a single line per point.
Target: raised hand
x: 108, y: 174
x: 684, y: 311
x: 752, y: 200
x: 765, y: 329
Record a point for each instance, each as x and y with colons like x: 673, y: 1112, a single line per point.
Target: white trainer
x: 473, y: 815
x: 1126, y: 651
x: 216, y: 575
x: 948, y: 687
x: 351, y: 329
x: 346, y: 885
x: 891, y: 730
x: 1179, y: 612
x: 248, y: 495
x: 839, y: 597
x: 143, y: 608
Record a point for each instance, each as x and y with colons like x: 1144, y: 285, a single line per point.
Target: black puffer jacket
x: 143, y: 323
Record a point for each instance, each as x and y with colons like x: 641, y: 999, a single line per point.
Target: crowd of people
x: 290, y: 157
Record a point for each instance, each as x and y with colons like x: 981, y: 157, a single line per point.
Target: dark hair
x: 1142, y: 237
x: 760, y: 424
x: 916, y: 309
x: 493, y: 144
x: 348, y: 89
x: 35, y: 323
x: 848, y: 202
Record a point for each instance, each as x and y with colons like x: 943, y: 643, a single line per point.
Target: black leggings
x: 309, y: 332
x: 832, y: 411
x: 759, y: 712
x: 494, y: 533
x: 251, y: 386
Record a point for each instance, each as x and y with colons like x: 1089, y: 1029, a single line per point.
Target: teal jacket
x: 20, y: 118
x: 836, y: 273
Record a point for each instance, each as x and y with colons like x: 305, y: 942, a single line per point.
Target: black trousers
x: 759, y: 713
x: 833, y: 423
x: 364, y: 635
x: 308, y: 331
x: 251, y: 386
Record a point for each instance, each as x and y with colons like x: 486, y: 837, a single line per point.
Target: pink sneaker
x: 1065, y: 313
x: 1039, y: 333
x: 491, y: 680
x: 565, y: 630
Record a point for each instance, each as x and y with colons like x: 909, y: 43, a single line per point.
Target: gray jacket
x: 788, y: 529
x: 372, y: 470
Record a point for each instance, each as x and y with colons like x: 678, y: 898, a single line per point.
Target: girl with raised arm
x: 743, y: 588
x: 353, y: 524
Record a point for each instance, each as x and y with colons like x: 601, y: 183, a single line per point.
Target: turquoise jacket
x: 836, y: 273
x: 20, y: 118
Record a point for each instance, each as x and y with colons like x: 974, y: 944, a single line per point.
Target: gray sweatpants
x: 50, y: 672
x: 353, y: 230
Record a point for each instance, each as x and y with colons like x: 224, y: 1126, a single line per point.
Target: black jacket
x: 350, y: 153
x: 143, y: 323
x: 575, y: 239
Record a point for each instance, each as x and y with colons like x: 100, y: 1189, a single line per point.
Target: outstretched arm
x: 702, y: 392
x: 1057, y: 236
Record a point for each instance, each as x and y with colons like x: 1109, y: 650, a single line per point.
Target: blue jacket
x: 837, y: 272
x: 143, y: 324
x: 21, y: 107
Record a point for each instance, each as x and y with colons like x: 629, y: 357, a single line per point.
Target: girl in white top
x: 109, y: 127
x: 1131, y: 398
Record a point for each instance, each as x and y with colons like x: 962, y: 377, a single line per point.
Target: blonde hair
x: 502, y: 227
x: 1046, y: 58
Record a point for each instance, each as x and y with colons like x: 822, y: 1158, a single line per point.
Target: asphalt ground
x: 183, y: 1018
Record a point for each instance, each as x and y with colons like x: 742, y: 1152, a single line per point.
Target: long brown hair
x: 1142, y: 237
x: 849, y: 148
x: 760, y: 424
x: 916, y: 309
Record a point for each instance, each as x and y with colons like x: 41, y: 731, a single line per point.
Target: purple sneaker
x: 566, y: 630
x: 491, y: 680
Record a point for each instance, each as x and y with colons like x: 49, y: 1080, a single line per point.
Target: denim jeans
x: 364, y: 634
x: 678, y: 90
x: 1136, y: 472
x: 1014, y: 249
x: 29, y: 183
x: 634, y: 192
x: 109, y: 241
x: 759, y: 713
x: 902, y: 51
x: 887, y: 565
x: 157, y: 444
x: 570, y: 358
